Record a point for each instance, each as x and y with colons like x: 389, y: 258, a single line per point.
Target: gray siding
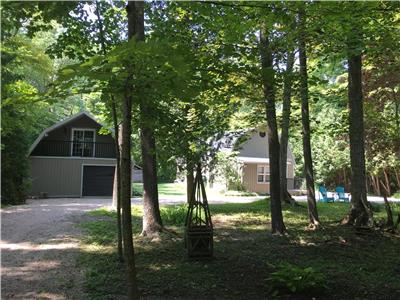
x: 257, y: 146
x: 137, y: 175
x: 60, y: 177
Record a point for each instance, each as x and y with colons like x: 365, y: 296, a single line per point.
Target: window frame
x: 72, y: 140
x: 265, y: 173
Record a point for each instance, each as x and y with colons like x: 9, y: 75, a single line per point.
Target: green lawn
x: 179, y: 189
x: 355, y: 264
x: 164, y: 189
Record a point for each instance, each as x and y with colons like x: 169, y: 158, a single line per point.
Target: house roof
x: 228, y: 140
x: 231, y: 141
x: 59, y: 124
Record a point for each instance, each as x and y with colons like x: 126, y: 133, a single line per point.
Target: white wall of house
x: 257, y: 146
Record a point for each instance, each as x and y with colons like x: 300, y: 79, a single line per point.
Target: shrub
x: 296, y: 279
x: 137, y: 190
x: 228, y: 170
x: 174, y: 215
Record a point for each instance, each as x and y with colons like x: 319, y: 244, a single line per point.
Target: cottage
x: 252, y: 159
x: 72, y: 159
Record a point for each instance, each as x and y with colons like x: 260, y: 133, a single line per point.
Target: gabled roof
x: 59, y: 124
x: 231, y: 141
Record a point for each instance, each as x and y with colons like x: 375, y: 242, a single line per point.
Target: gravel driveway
x: 39, y: 248
x: 40, y: 245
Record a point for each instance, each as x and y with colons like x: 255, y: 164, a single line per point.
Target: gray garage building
x: 71, y: 159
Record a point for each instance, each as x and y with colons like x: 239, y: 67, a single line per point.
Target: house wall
x: 137, y: 175
x: 249, y: 178
x: 60, y: 176
x: 64, y: 134
x: 257, y: 146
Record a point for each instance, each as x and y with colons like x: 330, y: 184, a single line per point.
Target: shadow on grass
x: 244, y: 256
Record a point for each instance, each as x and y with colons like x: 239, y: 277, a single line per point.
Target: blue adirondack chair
x: 341, y: 194
x: 324, y: 195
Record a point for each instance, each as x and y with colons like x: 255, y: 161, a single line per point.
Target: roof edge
x: 59, y: 124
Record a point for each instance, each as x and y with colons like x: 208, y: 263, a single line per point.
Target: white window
x: 83, y: 142
x: 262, y: 173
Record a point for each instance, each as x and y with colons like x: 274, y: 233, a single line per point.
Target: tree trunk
x: 305, y: 118
x: 375, y: 190
x: 152, y: 223
x: 116, y: 199
x: 389, y: 213
x: 189, y: 182
x: 387, y: 183
x: 360, y: 212
x: 135, y: 30
x: 397, y: 178
x: 117, y: 180
x: 287, y: 94
x: 268, y: 78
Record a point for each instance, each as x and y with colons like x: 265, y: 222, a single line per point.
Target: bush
x: 228, y: 170
x: 137, y: 190
x: 296, y: 279
x: 174, y: 215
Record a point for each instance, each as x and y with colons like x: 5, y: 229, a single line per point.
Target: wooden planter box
x: 199, y: 241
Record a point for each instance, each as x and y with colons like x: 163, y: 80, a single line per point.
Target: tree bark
x: 152, y: 223
x: 135, y: 27
x: 387, y: 182
x: 117, y: 179
x: 268, y: 81
x: 360, y: 212
x: 305, y: 118
x: 189, y: 182
x: 287, y: 95
x: 397, y: 178
x: 389, y: 213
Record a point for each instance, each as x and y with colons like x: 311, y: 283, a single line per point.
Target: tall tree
x: 305, y: 118
x: 287, y: 95
x: 360, y: 211
x: 135, y: 13
x: 268, y: 79
x: 152, y: 223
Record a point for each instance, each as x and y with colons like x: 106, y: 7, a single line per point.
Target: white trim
x: 253, y: 160
x: 83, y: 129
x: 75, y: 157
x: 59, y: 124
x: 263, y: 174
x: 98, y: 165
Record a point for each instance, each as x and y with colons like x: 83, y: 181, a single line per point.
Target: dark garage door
x: 97, y: 180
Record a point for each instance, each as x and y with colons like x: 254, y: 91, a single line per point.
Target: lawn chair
x: 341, y: 194
x: 324, y: 195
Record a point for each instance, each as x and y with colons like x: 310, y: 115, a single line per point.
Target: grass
x: 179, y: 189
x: 240, y: 194
x: 355, y: 264
x: 164, y: 189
